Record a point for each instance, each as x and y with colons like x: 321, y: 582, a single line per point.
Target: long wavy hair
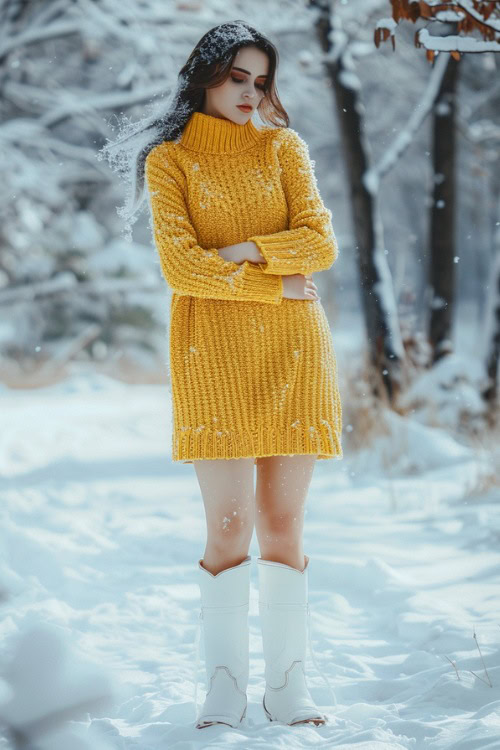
x: 208, y: 66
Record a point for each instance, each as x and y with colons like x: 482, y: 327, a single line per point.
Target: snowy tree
x: 377, y: 294
x: 339, y: 28
x: 466, y: 16
x: 71, y: 284
x: 450, y: 35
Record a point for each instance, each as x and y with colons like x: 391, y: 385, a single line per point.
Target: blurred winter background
x: 100, y: 532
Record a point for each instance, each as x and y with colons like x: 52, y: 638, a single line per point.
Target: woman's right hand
x: 298, y: 286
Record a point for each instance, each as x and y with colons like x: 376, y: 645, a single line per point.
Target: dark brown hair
x: 203, y: 73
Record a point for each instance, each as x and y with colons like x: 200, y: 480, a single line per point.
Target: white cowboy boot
x: 283, y: 610
x: 224, y: 614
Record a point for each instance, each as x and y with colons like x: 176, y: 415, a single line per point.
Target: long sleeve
x: 187, y: 267
x: 309, y: 244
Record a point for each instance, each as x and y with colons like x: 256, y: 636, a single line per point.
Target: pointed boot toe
x: 291, y: 703
x: 225, y: 703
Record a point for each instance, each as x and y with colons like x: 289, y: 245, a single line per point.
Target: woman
x: 240, y: 227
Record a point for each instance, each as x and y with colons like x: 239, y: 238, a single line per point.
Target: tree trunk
x: 442, y: 218
x: 377, y: 294
x: 493, y: 330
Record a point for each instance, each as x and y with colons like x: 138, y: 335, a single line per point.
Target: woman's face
x: 244, y: 86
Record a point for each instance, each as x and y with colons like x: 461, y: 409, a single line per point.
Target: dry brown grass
x: 363, y: 421
x: 40, y: 374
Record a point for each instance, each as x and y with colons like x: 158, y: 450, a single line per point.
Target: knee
x: 286, y: 525
x: 232, y: 528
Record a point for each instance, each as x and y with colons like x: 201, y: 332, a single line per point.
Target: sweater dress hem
x: 194, y: 444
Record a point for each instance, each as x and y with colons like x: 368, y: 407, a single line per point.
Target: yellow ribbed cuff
x: 276, y: 251
x: 267, y: 288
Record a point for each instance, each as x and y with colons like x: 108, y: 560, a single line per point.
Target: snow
x: 102, y: 533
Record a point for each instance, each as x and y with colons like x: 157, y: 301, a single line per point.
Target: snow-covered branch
x: 464, y: 44
x: 68, y: 283
x: 37, y: 35
x: 493, y: 22
x: 463, y: 15
x: 401, y: 142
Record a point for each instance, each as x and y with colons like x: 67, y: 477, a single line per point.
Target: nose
x: 250, y: 92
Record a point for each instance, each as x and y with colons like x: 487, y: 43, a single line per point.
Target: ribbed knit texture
x: 252, y: 373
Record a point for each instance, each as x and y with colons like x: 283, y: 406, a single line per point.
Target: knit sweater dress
x: 252, y: 373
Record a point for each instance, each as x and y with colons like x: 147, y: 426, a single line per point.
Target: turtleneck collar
x: 215, y: 135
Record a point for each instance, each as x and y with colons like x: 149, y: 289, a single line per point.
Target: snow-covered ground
x: 101, y: 534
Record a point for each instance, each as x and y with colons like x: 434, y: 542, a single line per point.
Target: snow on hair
x: 165, y: 119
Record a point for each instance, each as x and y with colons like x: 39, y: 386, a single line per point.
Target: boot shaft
x: 282, y: 584
x: 228, y: 588
x: 224, y: 618
x: 283, y: 603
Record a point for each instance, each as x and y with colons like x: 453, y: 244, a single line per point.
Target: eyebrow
x: 248, y: 72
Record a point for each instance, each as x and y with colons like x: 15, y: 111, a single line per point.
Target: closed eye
x: 261, y: 86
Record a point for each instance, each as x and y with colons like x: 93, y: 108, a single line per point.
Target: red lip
x: 244, y: 107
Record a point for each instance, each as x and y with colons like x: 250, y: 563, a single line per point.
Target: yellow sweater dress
x: 252, y: 373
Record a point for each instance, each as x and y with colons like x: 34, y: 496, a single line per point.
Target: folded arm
x: 241, y: 252
x: 187, y: 267
x: 309, y: 244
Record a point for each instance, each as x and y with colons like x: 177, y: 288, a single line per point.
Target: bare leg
x: 227, y: 487
x: 282, y: 485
